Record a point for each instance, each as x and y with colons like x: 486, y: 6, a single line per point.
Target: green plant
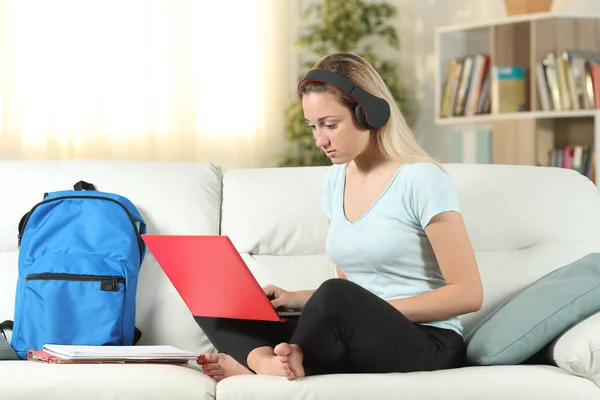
x: 341, y: 26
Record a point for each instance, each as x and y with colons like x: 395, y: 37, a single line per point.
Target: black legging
x: 344, y: 329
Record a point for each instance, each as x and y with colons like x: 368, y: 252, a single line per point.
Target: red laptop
x: 212, y: 278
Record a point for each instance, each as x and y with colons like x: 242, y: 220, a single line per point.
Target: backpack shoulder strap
x: 6, y: 352
x: 137, y: 336
x: 6, y: 325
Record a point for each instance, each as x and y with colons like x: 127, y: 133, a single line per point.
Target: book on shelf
x: 580, y: 158
x: 466, y: 88
x: 565, y: 80
x: 69, y: 354
x: 568, y: 80
x: 509, y: 91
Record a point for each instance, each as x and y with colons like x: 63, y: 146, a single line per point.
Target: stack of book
x: 579, y: 158
x: 67, y: 354
x: 466, y: 89
x: 565, y: 80
x: 569, y: 80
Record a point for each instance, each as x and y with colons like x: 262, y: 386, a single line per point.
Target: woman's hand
x: 287, y: 300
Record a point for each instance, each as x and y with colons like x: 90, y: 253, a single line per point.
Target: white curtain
x: 165, y: 80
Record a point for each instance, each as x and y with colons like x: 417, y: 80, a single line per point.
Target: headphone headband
x: 372, y: 112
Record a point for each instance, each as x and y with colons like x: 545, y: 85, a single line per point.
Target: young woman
x: 405, y: 263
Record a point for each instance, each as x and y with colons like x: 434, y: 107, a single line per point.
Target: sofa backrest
x: 523, y: 222
x: 173, y: 198
x: 272, y: 216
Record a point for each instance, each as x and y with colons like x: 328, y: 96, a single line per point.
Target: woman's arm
x: 285, y: 299
x: 295, y: 299
x: 340, y: 274
x: 302, y: 296
x: 463, y: 292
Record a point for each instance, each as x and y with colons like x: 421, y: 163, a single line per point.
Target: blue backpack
x: 80, y: 253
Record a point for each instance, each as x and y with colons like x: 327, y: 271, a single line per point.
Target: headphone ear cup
x: 361, y: 118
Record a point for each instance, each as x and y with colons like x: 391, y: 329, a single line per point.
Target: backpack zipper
x: 25, y: 218
x: 107, y: 283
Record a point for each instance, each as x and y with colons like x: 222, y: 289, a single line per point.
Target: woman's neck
x: 370, y: 160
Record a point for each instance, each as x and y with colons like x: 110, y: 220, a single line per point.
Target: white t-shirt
x: 386, y: 251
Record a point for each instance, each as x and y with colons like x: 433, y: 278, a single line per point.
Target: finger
x: 276, y: 303
x: 269, y: 290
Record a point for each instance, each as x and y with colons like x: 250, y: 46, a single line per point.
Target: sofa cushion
x: 30, y: 380
x: 526, y: 323
x: 173, y: 197
x: 596, y: 379
x: 524, y: 222
x: 577, y: 350
x: 273, y: 218
x: 490, y: 383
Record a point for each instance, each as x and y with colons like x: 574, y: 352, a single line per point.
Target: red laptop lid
x: 211, y: 276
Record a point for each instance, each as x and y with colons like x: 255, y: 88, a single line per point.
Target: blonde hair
x: 395, y: 141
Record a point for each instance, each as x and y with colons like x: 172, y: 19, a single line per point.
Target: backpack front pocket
x: 73, y: 309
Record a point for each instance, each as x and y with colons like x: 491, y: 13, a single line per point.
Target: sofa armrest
x: 577, y: 350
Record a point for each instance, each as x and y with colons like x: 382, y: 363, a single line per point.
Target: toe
x: 290, y: 376
x: 287, y: 371
x: 211, y: 367
x: 207, y: 358
x: 282, y: 349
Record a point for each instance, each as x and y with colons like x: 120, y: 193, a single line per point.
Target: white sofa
x: 523, y: 222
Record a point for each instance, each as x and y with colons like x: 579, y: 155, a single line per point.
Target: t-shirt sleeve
x: 432, y: 192
x: 326, y: 193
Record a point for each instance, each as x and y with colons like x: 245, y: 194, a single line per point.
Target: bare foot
x: 264, y: 361
x: 220, y: 366
x: 290, y: 356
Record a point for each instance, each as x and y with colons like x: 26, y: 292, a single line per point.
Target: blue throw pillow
x: 525, y: 324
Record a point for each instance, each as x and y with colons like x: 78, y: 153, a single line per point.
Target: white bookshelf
x: 523, y: 137
x: 487, y: 118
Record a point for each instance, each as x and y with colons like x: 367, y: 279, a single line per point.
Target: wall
x: 417, y: 21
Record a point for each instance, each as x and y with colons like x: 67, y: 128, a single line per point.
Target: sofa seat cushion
x: 29, y: 380
x: 531, y: 382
